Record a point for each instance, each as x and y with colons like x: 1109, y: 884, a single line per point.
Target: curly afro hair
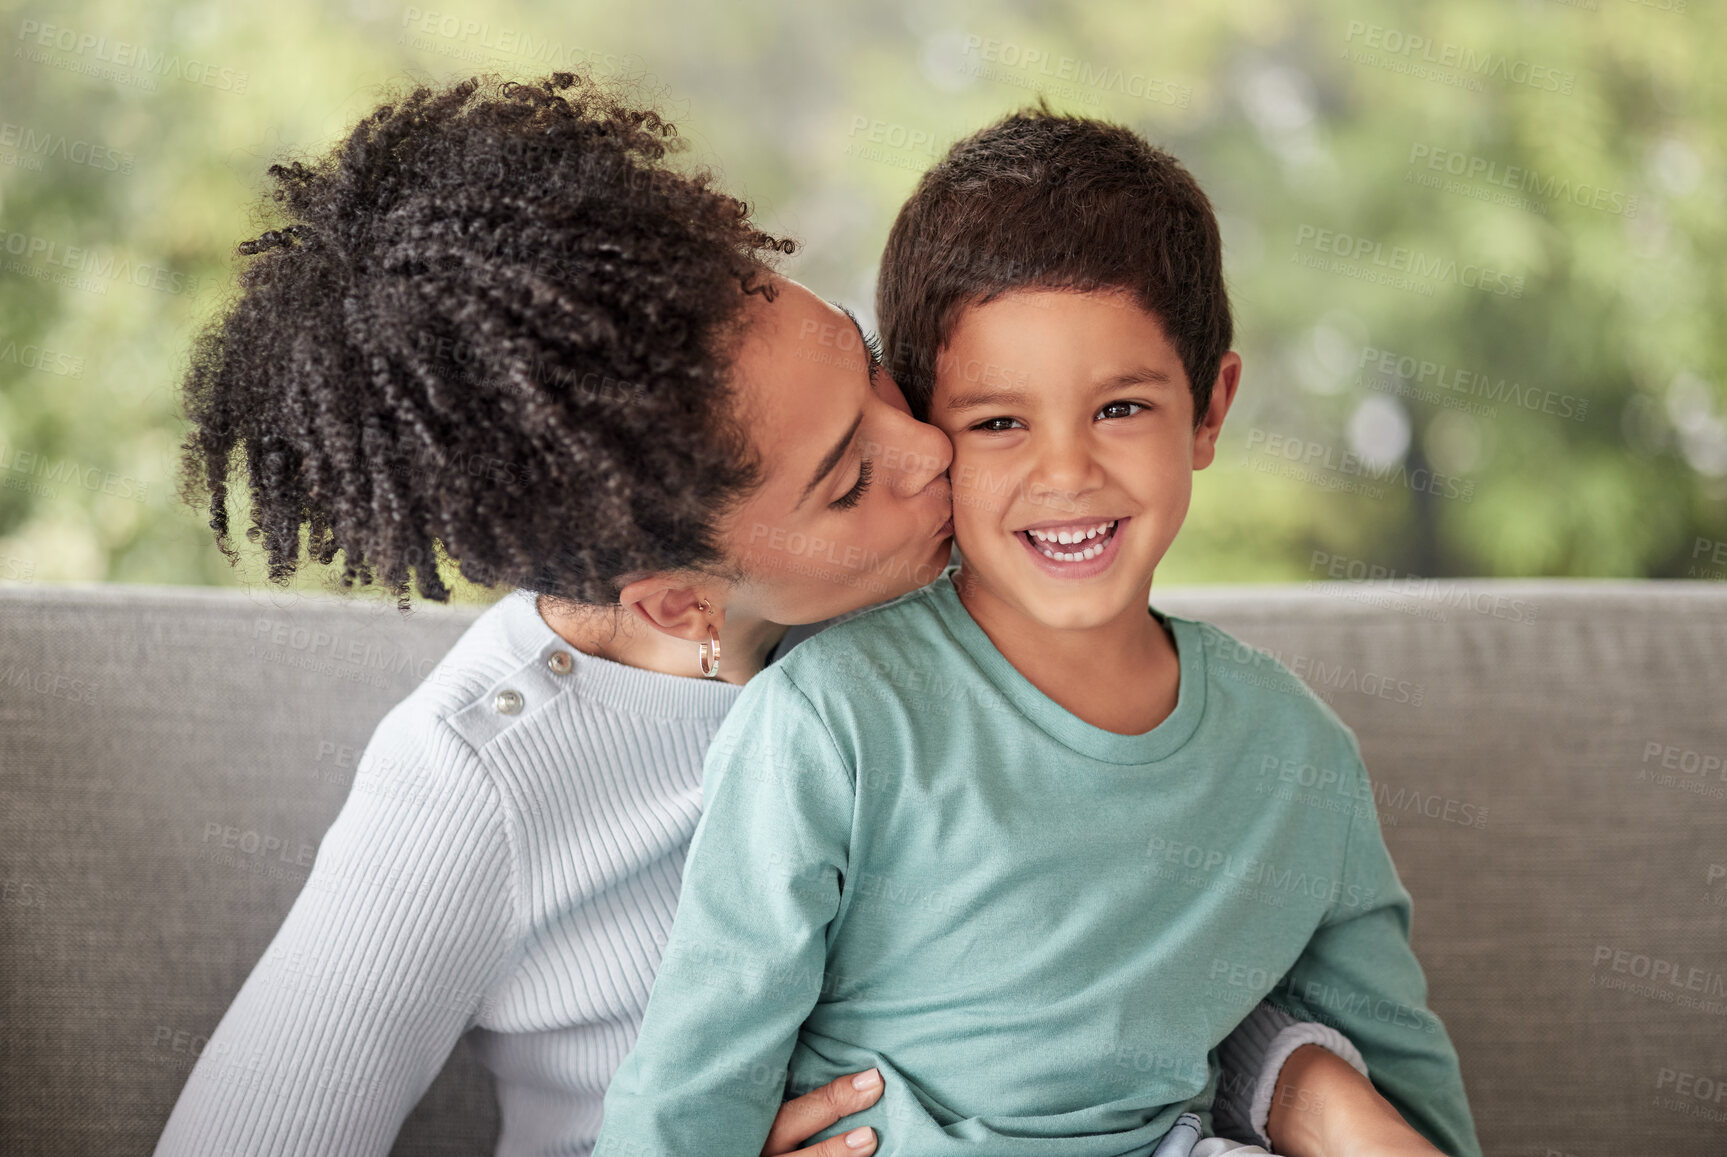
x: 495, y: 322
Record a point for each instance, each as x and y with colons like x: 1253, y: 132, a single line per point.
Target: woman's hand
x: 1324, y: 1108
x: 809, y: 1114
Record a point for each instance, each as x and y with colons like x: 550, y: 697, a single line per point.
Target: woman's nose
x: 928, y: 453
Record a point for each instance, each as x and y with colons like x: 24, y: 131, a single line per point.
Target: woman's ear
x: 673, y: 604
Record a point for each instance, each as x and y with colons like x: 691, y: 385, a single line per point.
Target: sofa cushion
x: 1548, y: 772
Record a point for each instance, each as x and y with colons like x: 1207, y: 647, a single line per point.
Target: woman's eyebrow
x: 833, y: 459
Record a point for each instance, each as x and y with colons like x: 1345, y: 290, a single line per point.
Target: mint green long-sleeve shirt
x: 1038, y: 930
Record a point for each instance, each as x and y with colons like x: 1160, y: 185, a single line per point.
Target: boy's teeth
x: 1067, y: 537
x: 1044, y: 539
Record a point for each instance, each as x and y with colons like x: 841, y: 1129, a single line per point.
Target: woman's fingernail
x: 860, y: 1138
x: 867, y: 1080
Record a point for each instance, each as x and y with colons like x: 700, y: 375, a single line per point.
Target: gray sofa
x: 1549, y: 773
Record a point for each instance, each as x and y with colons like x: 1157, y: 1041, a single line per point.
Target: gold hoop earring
x: 713, y: 645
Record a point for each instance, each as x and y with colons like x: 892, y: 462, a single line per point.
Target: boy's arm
x: 1359, y: 975
x: 745, y: 959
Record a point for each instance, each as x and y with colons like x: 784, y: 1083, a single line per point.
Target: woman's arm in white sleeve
x: 407, y: 921
x: 1252, y: 1058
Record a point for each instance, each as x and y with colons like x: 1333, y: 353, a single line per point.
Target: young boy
x: 1009, y: 839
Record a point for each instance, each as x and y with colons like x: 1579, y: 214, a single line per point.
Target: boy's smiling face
x: 1071, y: 417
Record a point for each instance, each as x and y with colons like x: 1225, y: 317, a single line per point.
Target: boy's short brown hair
x: 1043, y: 201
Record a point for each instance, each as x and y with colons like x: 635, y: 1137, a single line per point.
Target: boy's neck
x: 1122, y: 676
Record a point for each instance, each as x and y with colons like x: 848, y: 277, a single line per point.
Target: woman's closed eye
x: 866, y: 472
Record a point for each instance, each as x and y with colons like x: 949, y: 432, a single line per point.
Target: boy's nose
x: 1065, y: 466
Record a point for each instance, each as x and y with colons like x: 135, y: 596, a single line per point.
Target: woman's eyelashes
x: 866, y: 471
x: 872, y: 343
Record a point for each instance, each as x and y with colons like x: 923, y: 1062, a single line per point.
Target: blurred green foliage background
x: 1478, y: 251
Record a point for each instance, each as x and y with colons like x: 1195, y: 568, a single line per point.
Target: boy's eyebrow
x: 978, y: 398
x: 1140, y: 376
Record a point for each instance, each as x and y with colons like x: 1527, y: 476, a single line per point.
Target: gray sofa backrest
x: 1548, y: 763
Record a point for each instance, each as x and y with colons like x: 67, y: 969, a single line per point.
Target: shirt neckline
x: 1062, y: 725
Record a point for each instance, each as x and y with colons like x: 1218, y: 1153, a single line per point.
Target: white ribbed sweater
x: 506, y: 874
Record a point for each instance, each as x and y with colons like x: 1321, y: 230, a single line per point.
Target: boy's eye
x: 996, y: 425
x: 1122, y: 409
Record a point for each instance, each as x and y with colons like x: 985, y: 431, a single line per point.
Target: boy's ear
x: 672, y: 604
x: 1205, y: 435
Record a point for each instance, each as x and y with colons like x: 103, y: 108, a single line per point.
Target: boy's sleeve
x: 744, y: 962
x: 1359, y: 974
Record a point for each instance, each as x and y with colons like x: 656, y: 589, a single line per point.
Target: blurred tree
x: 1476, y: 251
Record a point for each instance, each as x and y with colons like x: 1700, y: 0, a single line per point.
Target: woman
x: 499, y: 324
